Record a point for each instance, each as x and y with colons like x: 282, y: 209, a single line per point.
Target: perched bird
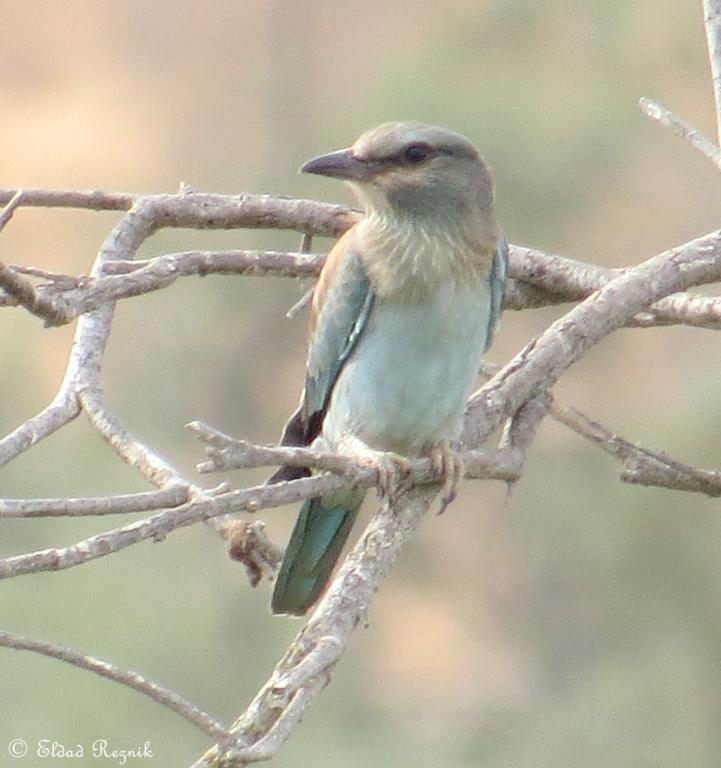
x: 404, y: 308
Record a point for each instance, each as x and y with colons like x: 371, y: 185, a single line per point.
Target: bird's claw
x: 391, y: 470
x: 448, y: 464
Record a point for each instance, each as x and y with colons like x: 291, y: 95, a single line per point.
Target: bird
x: 405, y: 306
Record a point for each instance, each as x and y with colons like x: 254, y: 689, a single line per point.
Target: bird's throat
x: 411, y: 259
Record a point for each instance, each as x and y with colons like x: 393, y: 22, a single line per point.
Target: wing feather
x: 342, y: 302
x: 499, y: 271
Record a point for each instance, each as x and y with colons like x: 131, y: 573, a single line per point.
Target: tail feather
x: 315, y: 544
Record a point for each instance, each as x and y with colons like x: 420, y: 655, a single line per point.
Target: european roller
x: 406, y: 305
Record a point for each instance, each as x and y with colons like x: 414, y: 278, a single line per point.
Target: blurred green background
x: 579, y: 623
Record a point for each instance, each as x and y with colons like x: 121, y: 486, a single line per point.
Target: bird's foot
x: 391, y: 468
x: 448, y: 464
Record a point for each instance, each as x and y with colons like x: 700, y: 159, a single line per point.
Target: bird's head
x: 412, y: 169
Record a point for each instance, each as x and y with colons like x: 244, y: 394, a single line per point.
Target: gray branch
x: 18, y: 288
x: 538, y: 279
x: 639, y: 465
x: 307, y: 665
x: 712, y: 22
x: 134, y: 680
x: 272, y: 715
x: 652, y: 293
x: 541, y: 363
x: 102, y: 505
x: 499, y: 465
x: 680, y: 128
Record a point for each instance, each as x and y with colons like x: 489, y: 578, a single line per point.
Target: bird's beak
x: 339, y: 165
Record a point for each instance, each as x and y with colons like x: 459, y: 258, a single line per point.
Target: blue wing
x: 339, y: 324
x: 342, y: 304
x: 499, y: 272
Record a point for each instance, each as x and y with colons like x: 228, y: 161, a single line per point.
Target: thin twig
x: 131, y: 450
x: 134, y: 680
x: 683, y: 130
x: 712, y: 22
x: 236, y: 262
x: 126, y: 279
x: 103, y: 505
x: 640, y: 466
x: 306, y: 667
x: 540, y: 280
x: 521, y: 428
x: 229, y: 453
x: 204, y: 210
x: 69, y: 198
x: 498, y: 465
x: 225, y: 452
x: 54, y: 278
x: 540, y: 364
x: 7, y: 212
x: 63, y: 409
x: 620, y: 297
x: 18, y: 287
x: 306, y: 244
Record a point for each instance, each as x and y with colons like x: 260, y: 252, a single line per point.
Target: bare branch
x: 203, y: 210
x: 132, y: 679
x: 128, y: 279
x: 155, y: 527
x: 70, y: 198
x: 712, y: 21
x: 237, y: 262
x: 133, y: 452
x: 539, y: 365
x: 54, y: 278
x: 22, y: 292
x: 103, y: 505
x: 226, y: 452
x: 573, y: 280
x: 229, y: 453
x: 18, y: 287
x: 306, y: 667
x: 541, y: 279
x: 683, y: 130
x: 7, y: 212
x: 498, y: 465
x: 641, y: 466
x: 64, y: 408
x: 687, y: 308
x: 563, y: 279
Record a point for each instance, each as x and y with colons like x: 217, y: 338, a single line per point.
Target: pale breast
x: 408, y: 378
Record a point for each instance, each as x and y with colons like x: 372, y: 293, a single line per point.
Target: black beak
x: 339, y: 165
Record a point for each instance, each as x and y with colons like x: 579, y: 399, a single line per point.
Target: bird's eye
x: 417, y: 153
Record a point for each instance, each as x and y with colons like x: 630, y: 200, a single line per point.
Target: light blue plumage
x: 405, y: 307
x: 406, y: 383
